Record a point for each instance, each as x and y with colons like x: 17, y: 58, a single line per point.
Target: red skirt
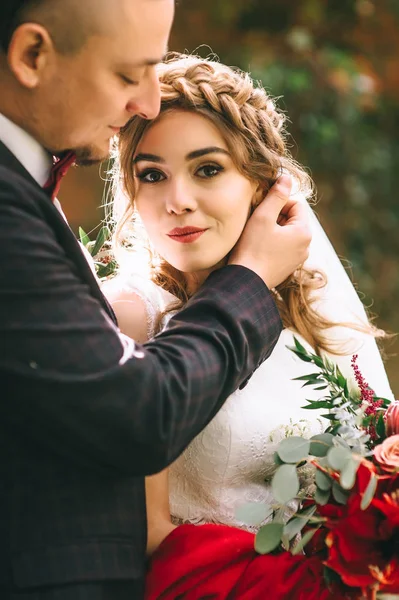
x: 216, y: 562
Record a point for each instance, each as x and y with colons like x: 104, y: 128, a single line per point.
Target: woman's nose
x: 180, y: 199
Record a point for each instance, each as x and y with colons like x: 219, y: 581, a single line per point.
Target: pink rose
x: 387, y: 454
x: 391, y: 418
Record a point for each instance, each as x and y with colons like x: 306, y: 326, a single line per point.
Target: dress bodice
x: 230, y: 463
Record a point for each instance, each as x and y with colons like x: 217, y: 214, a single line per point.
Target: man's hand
x: 275, y: 241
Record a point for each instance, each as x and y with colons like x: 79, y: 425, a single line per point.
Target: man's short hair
x: 69, y: 22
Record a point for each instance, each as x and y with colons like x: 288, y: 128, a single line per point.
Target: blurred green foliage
x: 335, y: 68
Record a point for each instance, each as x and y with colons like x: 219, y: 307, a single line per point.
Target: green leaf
x: 101, y: 238
x: 320, y: 388
x: 105, y: 270
x: 328, y: 416
x: 299, y: 346
x: 331, y: 576
x: 323, y: 481
x: 369, y: 492
x: 339, y: 495
x: 84, y: 238
x: 338, y: 457
x: 322, y: 496
x: 348, y: 474
x: 316, y: 405
x: 320, y: 444
x: 310, y: 377
x: 285, y: 483
x: 380, y: 426
x: 253, y: 513
x: 301, y: 356
x: 268, y: 538
x: 277, y: 460
x: 305, y: 539
x: 295, y: 525
x: 318, y: 361
x: 293, y: 449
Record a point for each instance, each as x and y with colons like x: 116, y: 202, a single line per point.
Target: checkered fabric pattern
x: 79, y: 428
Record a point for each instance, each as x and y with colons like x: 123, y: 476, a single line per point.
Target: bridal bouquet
x: 352, y: 520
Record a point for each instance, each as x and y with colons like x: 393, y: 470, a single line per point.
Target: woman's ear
x: 258, y: 196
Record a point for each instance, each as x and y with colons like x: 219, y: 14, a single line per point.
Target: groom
x: 85, y: 412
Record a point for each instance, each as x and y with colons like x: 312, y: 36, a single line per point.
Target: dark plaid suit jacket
x: 79, y: 428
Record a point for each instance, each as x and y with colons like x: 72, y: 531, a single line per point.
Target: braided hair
x: 253, y: 129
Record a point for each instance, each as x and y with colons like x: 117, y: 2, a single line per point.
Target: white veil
x: 339, y: 302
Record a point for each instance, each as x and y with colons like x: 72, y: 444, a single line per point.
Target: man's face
x: 85, y: 98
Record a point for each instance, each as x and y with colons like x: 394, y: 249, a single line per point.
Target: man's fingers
x: 277, y: 197
x: 294, y: 211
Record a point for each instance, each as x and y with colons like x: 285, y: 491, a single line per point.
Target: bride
x: 185, y: 185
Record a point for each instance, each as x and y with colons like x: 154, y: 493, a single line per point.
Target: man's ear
x: 29, y: 52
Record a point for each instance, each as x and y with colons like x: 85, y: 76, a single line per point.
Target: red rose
x: 387, y: 454
x: 391, y: 418
x: 363, y: 545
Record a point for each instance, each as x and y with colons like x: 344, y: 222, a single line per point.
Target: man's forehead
x: 142, y: 62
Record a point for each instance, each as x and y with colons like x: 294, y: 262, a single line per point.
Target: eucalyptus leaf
x: 339, y: 495
x: 305, y: 539
x: 320, y: 444
x: 253, y: 513
x: 277, y: 460
x: 295, y: 525
x: 348, y: 474
x: 338, y: 457
x: 322, y: 496
x: 323, y: 481
x: 369, y: 492
x: 293, y: 449
x: 285, y: 483
x: 268, y: 538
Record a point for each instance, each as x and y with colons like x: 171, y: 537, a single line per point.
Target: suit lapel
x: 63, y: 232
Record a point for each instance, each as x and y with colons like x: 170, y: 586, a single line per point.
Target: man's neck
x: 36, y: 160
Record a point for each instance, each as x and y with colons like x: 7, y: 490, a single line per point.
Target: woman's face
x: 191, y: 198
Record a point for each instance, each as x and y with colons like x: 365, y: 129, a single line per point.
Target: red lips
x: 186, y: 235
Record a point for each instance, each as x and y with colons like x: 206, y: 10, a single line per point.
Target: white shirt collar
x: 36, y: 160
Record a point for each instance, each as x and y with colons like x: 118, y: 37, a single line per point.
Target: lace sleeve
x: 152, y: 296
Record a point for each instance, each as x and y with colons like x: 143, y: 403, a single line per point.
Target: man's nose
x: 148, y: 104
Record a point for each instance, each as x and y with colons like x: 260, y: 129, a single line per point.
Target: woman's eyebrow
x: 203, y: 151
x: 149, y: 157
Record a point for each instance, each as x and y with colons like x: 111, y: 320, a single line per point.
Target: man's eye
x: 151, y: 176
x: 208, y: 171
x: 127, y: 80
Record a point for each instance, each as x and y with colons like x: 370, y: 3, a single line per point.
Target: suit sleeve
x: 70, y: 385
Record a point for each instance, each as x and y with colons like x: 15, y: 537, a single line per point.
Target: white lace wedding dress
x: 231, y: 462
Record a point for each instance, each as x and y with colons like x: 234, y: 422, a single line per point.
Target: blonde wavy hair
x: 254, y: 132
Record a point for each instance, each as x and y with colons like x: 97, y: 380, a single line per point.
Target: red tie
x: 58, y: 170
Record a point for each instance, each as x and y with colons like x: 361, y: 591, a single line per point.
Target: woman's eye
x: 151, y: 176
x: 208, y: 171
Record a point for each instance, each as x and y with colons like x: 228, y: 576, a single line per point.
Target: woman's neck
x: 195, y: 280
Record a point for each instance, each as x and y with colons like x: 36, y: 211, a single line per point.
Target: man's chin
x: 90, y: 155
